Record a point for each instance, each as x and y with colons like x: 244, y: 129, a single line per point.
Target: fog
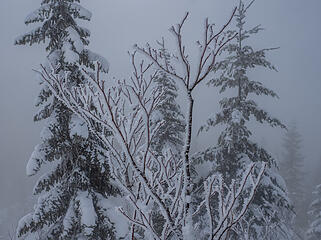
x: 117, y: 25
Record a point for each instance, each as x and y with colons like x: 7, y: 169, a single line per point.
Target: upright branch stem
x: 211, y: 47
x: 187, y: 167
x: 209, y: 38
x: 181, y: 48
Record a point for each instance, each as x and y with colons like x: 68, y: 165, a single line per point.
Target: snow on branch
x: 210, y: 47
x: 230, y: 211
x: 121, y: 114
x: 127, y: 110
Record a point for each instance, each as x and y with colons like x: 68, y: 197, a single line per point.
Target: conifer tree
x: 73, y: 193
x: 170, y: 134
x: 314, y: 231
x: 156, y: 180
x: 270, y: 211
x: 291, y: 169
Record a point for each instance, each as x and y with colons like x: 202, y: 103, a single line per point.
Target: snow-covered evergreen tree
x: 149, y: 180
x: 73, y: 192
x: 291, y: 168
x: 170, y: 134
x: 270, y: 211
x: 314, y: 231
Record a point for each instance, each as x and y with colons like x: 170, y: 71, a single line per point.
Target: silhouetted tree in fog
x: 291, y: 168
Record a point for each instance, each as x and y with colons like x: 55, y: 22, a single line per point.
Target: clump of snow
x: 68, y: 219
x: 46, y: 132
x: 74, y: 38
x: 70, y: 55
x: 188, y: 229
x: 37, y: 14
x: 78, y: 127
x: 82, y: 12
x: 54, y: 57
x: 87, y: 210
x: 94, y: 57
x: 35, y: 161
x: 84, y: 31
x: 24, y: 222
x: 28, y: 35
x: 236, y: 116
x: 101, y: 160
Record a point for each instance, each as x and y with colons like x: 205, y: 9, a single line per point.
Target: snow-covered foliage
x: 78, y: 127
x: 171, y: 133
x: 314, y: 231
x: 131, y: 133
x: 153, y: 181
x: 88, y: 214
x: 269, y: 214
x: 77, y: 176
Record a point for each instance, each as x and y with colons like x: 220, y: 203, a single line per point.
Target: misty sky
x: 292, y: 25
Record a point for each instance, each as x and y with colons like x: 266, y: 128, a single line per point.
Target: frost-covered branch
x: 211, y: 46
x: 123, y: 116
x: 227, y: 198
x: 126, y: 111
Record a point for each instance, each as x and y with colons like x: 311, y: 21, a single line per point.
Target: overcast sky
x: 292, y: 25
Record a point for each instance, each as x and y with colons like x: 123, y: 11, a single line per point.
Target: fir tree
x: 270, y: 210
x: 72, y: 194
x: 291, y: 170
x: 314, y: 231
x: 171, y: 133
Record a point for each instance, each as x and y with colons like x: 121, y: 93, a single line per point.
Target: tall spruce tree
x: 73, y: 192
x: 314, y: 231
x: 292, y: 171
x: 269, y: 215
